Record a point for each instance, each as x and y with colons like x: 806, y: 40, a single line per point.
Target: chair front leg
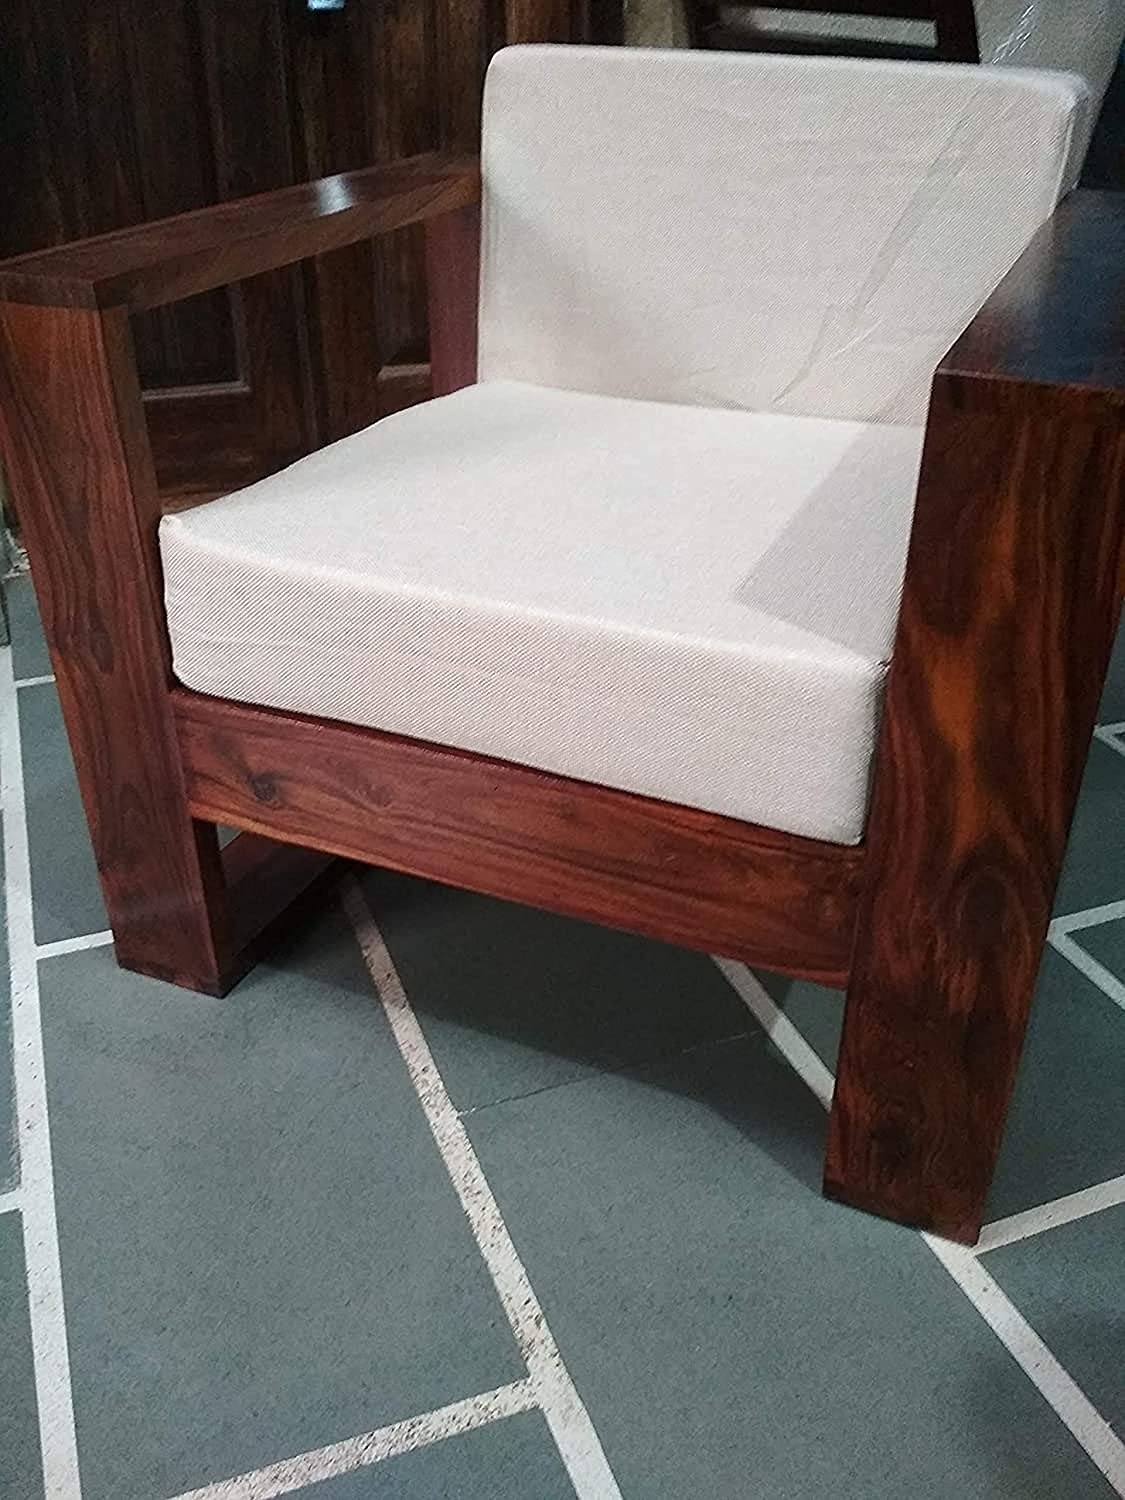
x: 80, y: 467
x: 1008, y: 619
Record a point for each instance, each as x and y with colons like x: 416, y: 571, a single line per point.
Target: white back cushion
x: 783, y: 234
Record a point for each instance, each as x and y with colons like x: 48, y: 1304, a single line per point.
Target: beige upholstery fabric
x: 687, y: 603
x: 775, y: 233
x: 662, y: 594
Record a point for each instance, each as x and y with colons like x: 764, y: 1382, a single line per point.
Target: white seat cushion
x: 693, y: 604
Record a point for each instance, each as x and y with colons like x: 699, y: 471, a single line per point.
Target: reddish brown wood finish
x: 263, y: 879
x: 121, y: 111
x: 545, y: 20
x: 118, y: 111
x: 173, y: 258
x: 452, y: 278
x: 1011, y: 603
x: 77, y: 452
x: 1053, y: 332
x: 671, y: 872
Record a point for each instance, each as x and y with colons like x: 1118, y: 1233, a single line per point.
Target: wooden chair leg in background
x: 955, y: 31
x: 1008, y: 619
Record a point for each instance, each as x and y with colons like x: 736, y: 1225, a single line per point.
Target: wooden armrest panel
x: 1058, y: 318
x: 172, y: 258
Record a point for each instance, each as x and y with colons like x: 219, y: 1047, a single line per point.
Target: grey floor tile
x: 514, y: 1459
x: 1112, y: 709
x: 1095, y: 856
x: 1066, y: 1125
x: 1068, y: 1285
x: 262, y: 1252
x: 727, y: 1327
x: 9, y: 1149
x: 29, y: 649
x: 64, y: 878
x: 1106, y: 942
x: 21, y: 1473
x: 513, y: 1000
x: 817, y: 1012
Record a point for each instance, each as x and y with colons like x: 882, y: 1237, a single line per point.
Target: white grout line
x: 73, y: 944
x: 11, y: 1203
x: 570, y: 1424
x: 41, y: 1240
x: 1069, y: 1403
x: 371, y: 1447
x: 1112, y: 735
x: 1087, y: 964
x: 1079, y: 1205
x: 1059, y: 935
x: 22, y: 682
x: 780, y: 1029
x: 1093, y: 916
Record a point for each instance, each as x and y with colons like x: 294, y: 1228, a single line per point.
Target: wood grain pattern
x: 1009, y: 613
x: 107, y: 124
x: 669, y: 872
x: 332, y: 60
x: 159, y: 109
x: 172, y: 258
x: 156, y: 110
x: 544, y: 20
x: 452, y: 280
x: 76, y: 448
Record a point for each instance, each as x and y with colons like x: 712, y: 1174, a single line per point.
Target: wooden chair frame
x: 935, y: 925
x: 954, y: 23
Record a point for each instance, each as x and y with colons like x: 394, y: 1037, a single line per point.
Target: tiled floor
x: 496, y: 1206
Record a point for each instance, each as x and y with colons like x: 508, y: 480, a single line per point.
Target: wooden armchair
x: 624, y: 658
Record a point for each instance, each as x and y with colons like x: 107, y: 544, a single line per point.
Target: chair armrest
x: 194, y: 252
x: 1055, y: 326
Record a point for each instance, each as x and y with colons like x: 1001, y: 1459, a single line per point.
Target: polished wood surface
x: 1008, y: 617
x: 1054, y: 329
x: 172, y: 258
x: 115, y: 113
x: 937, y: 923
x: 671, y: 872
x: 76, y: 448
x: 453, y: 277
x: 546, y: 20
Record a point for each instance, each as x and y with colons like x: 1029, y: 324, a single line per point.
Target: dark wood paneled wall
x: 118, y: 111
